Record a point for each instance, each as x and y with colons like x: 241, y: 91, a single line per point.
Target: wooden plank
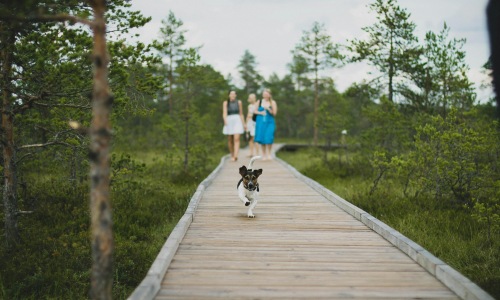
x: 301, y: 292
x: 306, y: 278
x: 218, y: 263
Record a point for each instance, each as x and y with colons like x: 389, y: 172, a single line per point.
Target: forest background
x: 413, y: 147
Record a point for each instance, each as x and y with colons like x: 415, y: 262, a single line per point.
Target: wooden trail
x: 299, y: 246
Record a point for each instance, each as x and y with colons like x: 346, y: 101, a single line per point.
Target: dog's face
x: 250, y: 177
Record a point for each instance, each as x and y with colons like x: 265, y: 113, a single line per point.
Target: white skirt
x: 251, y: 127
x: 234, y: 125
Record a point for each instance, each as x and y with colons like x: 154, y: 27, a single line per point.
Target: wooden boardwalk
x: 299, y: 246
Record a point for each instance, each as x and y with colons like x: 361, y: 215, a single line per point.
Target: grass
x: 450, y: 234
x: 149, y: 195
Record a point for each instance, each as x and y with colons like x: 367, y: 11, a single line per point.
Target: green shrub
x: 149, y: 195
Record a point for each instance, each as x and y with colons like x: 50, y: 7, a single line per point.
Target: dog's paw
x: 247, y: 203
x: 251, y: 216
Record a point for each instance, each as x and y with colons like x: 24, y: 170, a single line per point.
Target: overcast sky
x: 270, y: 29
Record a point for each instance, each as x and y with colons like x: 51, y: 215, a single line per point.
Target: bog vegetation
x: 421, y: 152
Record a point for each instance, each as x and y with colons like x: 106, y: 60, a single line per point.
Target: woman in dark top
x: 234, y: 124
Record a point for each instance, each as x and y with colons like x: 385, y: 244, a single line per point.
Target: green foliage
x: 172, y: 47
x: 249, y: 74
x: 440, y: 75
x: 172, y: 39
x: 453, y: 161
x: 315, y: 51
x: 389, y: 128
x: 299, y: 68
x: 53, y: 260
x: 293, y: 106
x: 333, y: 115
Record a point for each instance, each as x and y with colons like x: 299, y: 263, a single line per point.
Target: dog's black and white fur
x: 248, y: 187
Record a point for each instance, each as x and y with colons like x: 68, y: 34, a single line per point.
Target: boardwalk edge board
x: 151, y: 284
x: 454, y: 280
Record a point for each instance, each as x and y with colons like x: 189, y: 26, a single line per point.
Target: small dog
x: 249, y: 190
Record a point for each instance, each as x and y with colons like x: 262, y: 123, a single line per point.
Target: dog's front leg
x: 242, y: 196
x: 253, y: 203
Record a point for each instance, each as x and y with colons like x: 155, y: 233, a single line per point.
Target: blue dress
x: 264, y: 128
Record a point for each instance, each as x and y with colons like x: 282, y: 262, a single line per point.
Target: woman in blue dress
x: 265, y: 125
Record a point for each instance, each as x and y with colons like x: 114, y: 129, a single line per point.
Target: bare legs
x: 253, y: 146
x: 230, y: 145
x: 266, y: 151
x: 236, y: 146
x: 233, y: 143
x: 269, y: 151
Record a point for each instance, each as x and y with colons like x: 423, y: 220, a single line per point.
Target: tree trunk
x: 9, y: 151
x: 171, y: 87
x: 391, y: 70
x: 186, y: 145
x: 316, y: 103
x: 427, y: 92
x: 186, y: 140
x: 493, y: 14
x: 100, y: 139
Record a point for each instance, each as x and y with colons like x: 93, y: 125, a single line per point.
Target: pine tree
x: 391, y: 45
x: 27, y: 25
x: 171, y: 45
x: 445, y: 63
x: 319, y: 52
x: 247, y: 68
x: 298, y: 68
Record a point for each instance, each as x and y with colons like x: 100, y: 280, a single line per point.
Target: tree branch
x: 24, y: 212
x: 62, y: 105
x: 44, y: 145
x: 23, y: 157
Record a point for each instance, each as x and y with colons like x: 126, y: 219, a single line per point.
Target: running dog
x: 249, y: 190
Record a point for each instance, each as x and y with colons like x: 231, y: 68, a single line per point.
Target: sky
x: 270, y: 29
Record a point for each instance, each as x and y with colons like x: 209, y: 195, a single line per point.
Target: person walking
x: 234, y: 124
x: 266, y: 110
x: 254, y: 150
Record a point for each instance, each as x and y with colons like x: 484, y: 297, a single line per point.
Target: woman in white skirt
x: 251, y: 125
x: 234, y: 124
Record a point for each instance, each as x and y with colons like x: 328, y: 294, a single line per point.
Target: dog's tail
x: 252, y: 160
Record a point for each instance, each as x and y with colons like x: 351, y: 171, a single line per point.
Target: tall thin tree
x: 7, y: 37
x: 171, y: 46
x: 100, y: 136
x: 100, y: 146
x: 318, y: 50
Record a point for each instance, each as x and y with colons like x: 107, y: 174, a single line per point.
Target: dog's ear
x: 258, y: 172
x: 243, y: 171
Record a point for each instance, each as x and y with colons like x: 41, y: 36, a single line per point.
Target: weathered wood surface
x: 299, y: 245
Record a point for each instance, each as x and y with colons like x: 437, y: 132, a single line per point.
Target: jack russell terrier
x: 249, y: 190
